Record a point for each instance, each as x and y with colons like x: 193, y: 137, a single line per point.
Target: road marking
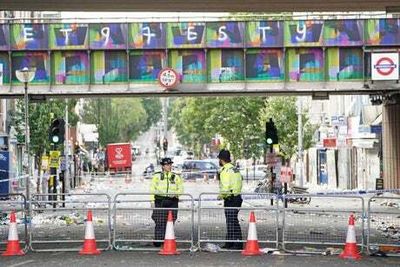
x: 21, y: 263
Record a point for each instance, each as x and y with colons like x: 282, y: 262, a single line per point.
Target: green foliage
x: 40, y: 117
x: 283, y: 111
x: 240, y: 121
x: 153, y: 109
x: 120, y: 119
x: 197, y: 120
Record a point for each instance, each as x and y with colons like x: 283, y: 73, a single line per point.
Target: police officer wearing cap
x: 230, y: 185
x: 165, y: 188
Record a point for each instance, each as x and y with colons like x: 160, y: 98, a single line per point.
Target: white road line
x: 21, y: 263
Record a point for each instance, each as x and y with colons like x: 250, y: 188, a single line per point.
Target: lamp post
x: 26, y: 76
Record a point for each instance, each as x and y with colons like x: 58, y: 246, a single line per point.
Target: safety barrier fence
x: 212, y: 225
x: 384, y: 225
x: 127, y: 222
x: 57, y: 222
x: 16, y: 203
x: 314, y: 228
x: 135, y: 218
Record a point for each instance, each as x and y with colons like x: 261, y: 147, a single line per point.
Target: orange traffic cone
x: 13, y: 247
x: 350, y: 249
x: 89, y: 245
x: 169, y: 247
x: 252, y: 248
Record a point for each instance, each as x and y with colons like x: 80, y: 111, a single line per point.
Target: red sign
x: 119, y: 156
x: 286, y: 174
x: 329, y: 142
x: 385, y: 66
x: 168, y: 78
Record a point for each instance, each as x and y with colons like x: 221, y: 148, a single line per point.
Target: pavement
x: 121, y: 259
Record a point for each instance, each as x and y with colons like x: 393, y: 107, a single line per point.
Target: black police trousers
x: 160, y: 217
x: 232, y: 223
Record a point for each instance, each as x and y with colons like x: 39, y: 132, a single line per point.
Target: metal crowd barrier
x: 212, y: 225
x: 384, y: 225
x: 316, y: 227
x: 134, y: 226
x: 58, y: 221
x: 16, y: 203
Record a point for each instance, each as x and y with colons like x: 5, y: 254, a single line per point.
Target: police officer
x: 165, y: 187
x: 230, y: 184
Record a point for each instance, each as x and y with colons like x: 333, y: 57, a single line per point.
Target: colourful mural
x: 32, y: 60
x: 109, y: 67
x: 147, y: 35
x: 382, y: 32
x: 225, y: 65
x: 70, y: 67
x: 344, y: 63
x: 4, y: 37
x: 68, y: 36
x: 190, y: 65
x: 225, y: 34
x: 264, y: 65
x: 29, y: 37
x: 144, y: 66
x: 305, y: 64
x: 186, y: 35
x: 343, y: 32
x: 264, y: 34
x: 4, y: 69
x: 303, y: 33
x: 108, y: 36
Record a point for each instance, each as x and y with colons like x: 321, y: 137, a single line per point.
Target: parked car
x: 255, y: 172
x: 199, y: 169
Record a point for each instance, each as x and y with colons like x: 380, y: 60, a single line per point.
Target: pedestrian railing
x: 127, y: 222
x: 134, y: 222
x: 212, y: 222
x: 322, y: 225
x: 8, y: 204
x: 58, y: 221
x: 383, y: 234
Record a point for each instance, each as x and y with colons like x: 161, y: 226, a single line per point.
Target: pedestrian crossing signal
x: 271, y: 133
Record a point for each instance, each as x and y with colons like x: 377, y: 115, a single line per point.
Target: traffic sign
x: 385, y: 66
x: 54, y: 159
x: 272, y: 159
x: 168, y: 78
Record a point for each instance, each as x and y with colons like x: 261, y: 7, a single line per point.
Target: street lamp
x: 26, y: 76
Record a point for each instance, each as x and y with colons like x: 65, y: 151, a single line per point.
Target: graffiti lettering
x: 263, y: 32
x: 191, y: 35
x: 222, y: 36
x: 301, y: 30
x: 146, y: 31
x: 66, y: 33
x: 28, y: 34
x: 105, y: 32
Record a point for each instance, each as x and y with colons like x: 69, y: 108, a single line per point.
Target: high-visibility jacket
x: 230, y: 181
x: 165, y: 184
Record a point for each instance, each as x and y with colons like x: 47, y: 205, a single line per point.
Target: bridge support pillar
x: 391, y: 145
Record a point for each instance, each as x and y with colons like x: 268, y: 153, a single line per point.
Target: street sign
x: 286, y: 174
x: 54, y: 159
x: 45, y: 162
x: 385, y: 66
x: 168, y: 78
x: 272, y: 159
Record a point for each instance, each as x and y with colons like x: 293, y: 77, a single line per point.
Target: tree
x: 197, y: 120
x: 40, y: 116
x: 284, y: 113
x: 116, y: 119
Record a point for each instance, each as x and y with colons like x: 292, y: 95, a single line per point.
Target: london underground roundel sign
x: 385, y: 66
x: 168, y: 78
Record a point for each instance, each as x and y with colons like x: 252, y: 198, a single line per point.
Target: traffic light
x: 271, y: 133
x: 56, y: 131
